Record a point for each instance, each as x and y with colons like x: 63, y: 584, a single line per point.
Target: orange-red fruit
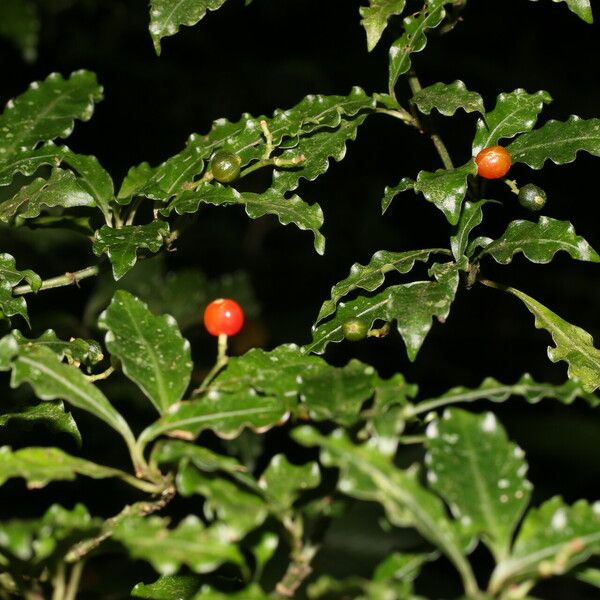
x: 493, y: 162
x: 223, y: 316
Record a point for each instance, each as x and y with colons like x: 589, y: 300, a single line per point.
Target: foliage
x: 270, y: 449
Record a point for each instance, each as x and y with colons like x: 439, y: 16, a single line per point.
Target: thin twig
x: 59, y: 281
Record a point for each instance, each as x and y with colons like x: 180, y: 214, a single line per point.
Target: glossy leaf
x: 582, y: 8
x: 202, y: 549
x: 39, y: 466
x: 558, y: 141
x: 225, y: 414
x: 287, y: 210
x: 367, y: 475
x: 167, y: 16
x: 50, y: 414
x: 12, y: 276
x: 93, y: 178
x: 390, y: 192
x: 183, y: 587
x: 20, y: 24
x: 470, y: 217
x: 51, y: 379
x: 77, y: 350
x: 134, y: 182
x: 591, y: 576
x: 225, y: 503
x: 573, y: 344
x: 514, y: 113
x: 318, y: 149
x: 552, y: 539
x: 282, y: 481
x: 371, y: 276
x: 287, y: 373
x: 375, y: 18
x: 413, y: 39
x: 412, y: 305
x: 173, y: 175
x: 447, y: 98
x: 539, y: 242
x: 495, y: 391
x: 61, y: 189
x: 121, y: 245
x: 473, y: 466
x: 46, y: 111
x: 446, y: 188
x: 152, y: 351
x: 11, y: 305
x: 27, y: 162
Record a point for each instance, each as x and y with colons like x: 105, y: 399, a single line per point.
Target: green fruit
x: 532, y: 197
x: 355, y: 329
x: 225, y: 166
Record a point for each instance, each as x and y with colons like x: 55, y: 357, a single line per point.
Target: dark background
x: 270, y: 55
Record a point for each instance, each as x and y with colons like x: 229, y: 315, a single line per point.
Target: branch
x: 60, y: 281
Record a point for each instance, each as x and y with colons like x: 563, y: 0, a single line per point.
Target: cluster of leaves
x: 472, y: 487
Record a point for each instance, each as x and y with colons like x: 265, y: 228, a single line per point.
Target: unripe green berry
x: 355, y: 329
x: 225, y: 166
x: 532, y: 197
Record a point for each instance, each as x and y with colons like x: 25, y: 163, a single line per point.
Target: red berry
x: 223, y: 316
x: 493, y: 162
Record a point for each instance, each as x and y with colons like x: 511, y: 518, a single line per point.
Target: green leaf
x: 171, y: 176
x: 552, y: 540
x: 183, y: 587
x: 412, y: 305
x: 368, y: 475
x: 413, y: 39
x: 539, y: 242
x: 94, y: 179
x: 225, y: 503
x: 480, y: 474
x: 582, y: 8
x: 371, y: 276
x: 282, y: 481
x: 61, y: 189
x: 446, y: 188
x: 39, y: 466
x: 202, y: 549
x: 375, y: 18
x: 29, y: 161
x: 205, y: 460
x: 495, y: 391
x: 77, y: 350
x: 46, y: 111
x: 288, y: 374
x: 167, y: 16
x: 447, y: 98
x: 51, y: 414
x: 41, y: 368
x: 591, y: 576
x: 389, y: 193
x: 9, y: 305
x: 558, y: 141
x: 470, y: 217
x: 287, y: 210
x: 12, y: 276
x: 20, y: 24
x: 152, y: 351
x: 35, y: 543
x: 225, y: 414
x: 402, y: 567
x: 573, y: 344
x: 121, y: 245
x: 136, y: 179
x: 317, y: 148
x: 252, y: 592
x: 514, y: 113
